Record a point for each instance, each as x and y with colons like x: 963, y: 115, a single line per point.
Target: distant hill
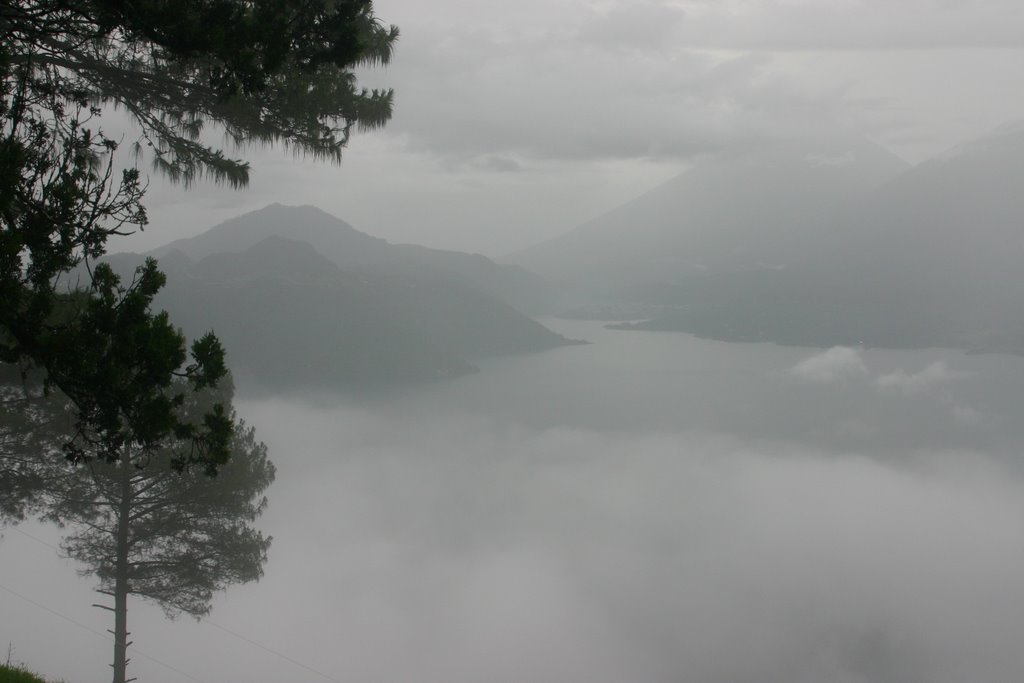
x: 812, y: 252
x: 291, y: 318
x: 356, y: 251
x: 948, y: 237
x: 953, y: 226
x: 754, y: 209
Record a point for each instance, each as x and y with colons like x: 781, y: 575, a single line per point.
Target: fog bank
x: 649, y: 508
x: 480, y: 552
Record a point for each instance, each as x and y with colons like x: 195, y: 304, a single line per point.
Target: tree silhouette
x: 262, y: 70
x: 172, y: 537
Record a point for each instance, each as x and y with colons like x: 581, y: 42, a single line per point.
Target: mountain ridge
x: 678, y: 226
x: 921, y: 256
x: 353, y: 250
x: 289, y: 316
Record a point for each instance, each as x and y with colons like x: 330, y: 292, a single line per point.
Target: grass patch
x: 17, y: 674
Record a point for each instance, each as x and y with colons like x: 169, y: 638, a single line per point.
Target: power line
x: 34, y: 538
x: 273, y: 652
x: 55, y: 613
x: 93, y: 631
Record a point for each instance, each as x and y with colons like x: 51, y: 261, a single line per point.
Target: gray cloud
x: 837, y: 365
x: 552, y: 100
x: 926, y: 380
x: 481, y: 552
x: 683, y: 513
x: 659, y: 79
x: 840, y: 365
x: 641, y: 25
x: 859, y: 25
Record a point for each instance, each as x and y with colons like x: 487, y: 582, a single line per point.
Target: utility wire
x: 273, y: 652
x: 225, y: 629
x: 34, y: 538
x: 104, y: 636
x: 55, y: 613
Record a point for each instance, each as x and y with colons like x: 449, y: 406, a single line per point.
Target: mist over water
x: 651, y: 507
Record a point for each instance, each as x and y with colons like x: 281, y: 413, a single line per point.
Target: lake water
x: 650, y: 507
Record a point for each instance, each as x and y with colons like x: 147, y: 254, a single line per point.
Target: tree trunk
x: 124, y: 507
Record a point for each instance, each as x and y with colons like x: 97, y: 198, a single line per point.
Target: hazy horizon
x: 734, y: 397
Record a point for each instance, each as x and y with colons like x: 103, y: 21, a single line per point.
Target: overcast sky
x: 516, y: 121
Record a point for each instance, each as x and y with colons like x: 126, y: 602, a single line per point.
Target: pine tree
x: 143, y: 528
x: 262, y: 70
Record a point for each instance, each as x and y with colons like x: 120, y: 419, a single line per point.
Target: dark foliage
x: 264, y: 71
x: 138, y: 525
x: 187, y: 536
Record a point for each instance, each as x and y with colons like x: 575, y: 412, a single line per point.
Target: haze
x: 516, y: 121
x: 650, y: 507
x: 789, y: 232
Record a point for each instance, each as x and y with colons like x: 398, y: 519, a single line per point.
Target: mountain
x: 355, y: 251
x: 291, y: 318
x: 868, y: 253
x: 948, y: 236
x: 952, y: 224
x: 752, y: 209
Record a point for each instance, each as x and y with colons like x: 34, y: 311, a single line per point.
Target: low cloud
x: 966, y: 415
x: 913, y: 383
x: 842, y: 364
x: 661, y: 79
x: 411, y: 545
x: 836, y: 365
x: 640, y: 25
x: 493, y: 553
x: 606, y: 84
x: 856, y: 25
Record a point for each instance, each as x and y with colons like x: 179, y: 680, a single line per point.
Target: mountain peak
x: 350, y: 249
x: 1006, y: 139
x: 277, y: 208
x: 274, y: 256
x: 303, y: 223
x: 736, y: 209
